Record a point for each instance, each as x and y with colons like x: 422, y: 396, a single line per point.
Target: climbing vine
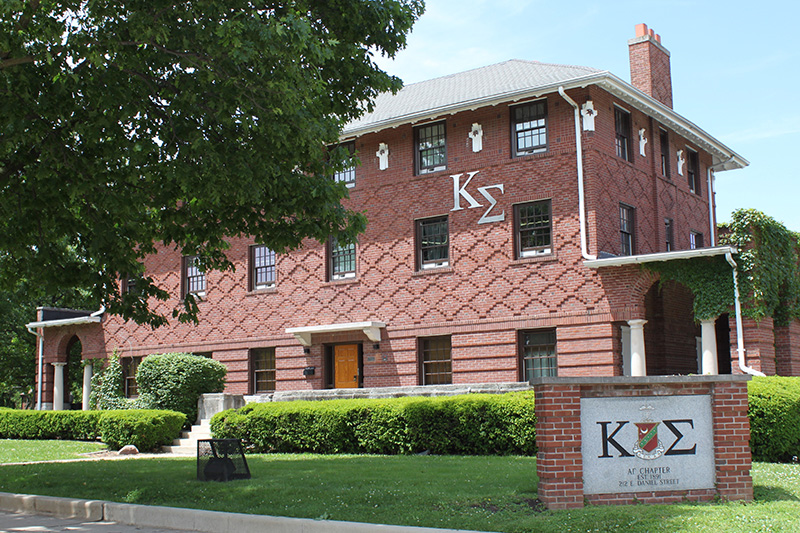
x: 768, y: 264
x: 709, y: 279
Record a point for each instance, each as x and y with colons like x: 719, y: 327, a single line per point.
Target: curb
x: 189, y: 519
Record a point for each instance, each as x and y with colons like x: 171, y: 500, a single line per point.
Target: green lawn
x: 18, y: 451
x: 484, y: 493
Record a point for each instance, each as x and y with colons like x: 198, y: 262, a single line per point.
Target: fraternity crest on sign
x: 647, y: 445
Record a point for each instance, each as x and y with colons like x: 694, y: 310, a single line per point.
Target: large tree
x: 126, y: 124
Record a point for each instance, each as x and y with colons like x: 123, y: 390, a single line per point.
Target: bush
x: 175, y: 381
x: 774, y: 411
x: 144, y: 428
x: 474, y: 424
x: 107, y: 387
x: 65, y: 425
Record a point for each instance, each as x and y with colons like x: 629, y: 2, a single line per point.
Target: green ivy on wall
x: 768, y: 264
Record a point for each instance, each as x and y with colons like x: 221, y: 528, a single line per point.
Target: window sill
x: 267, y: 290
x: 546, y: 258
x: 440, y: 270
x: 344, y: 281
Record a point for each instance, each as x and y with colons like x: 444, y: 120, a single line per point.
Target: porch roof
x: 660, y: 256
x: 52, y: 317
x: 371, y: 329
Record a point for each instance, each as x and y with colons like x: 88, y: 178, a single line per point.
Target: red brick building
x: 507, y: 207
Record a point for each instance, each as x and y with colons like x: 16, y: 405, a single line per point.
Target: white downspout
x: 711, y: 179
x: 579, y: 151
x: 41, y: 357
x: 739, y: 332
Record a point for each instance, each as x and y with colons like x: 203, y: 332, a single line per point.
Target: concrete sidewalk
x: 108, y: 516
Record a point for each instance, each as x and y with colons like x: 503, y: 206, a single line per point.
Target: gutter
x: 32, y: 326
x: 579, y: 157
x: 739, y: 331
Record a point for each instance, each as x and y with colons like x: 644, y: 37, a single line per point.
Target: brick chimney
x: 650, y: 72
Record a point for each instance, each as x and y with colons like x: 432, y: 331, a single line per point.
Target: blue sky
x: 735, y: 70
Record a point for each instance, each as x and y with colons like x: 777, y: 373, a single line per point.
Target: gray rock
x: 130, y: 449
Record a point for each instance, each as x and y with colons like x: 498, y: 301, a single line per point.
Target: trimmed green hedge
x: 774, y: 411
x: 473, y: 424
x: 175, y: 381
x: 145, y: 429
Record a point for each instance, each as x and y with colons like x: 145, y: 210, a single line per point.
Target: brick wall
x: 558, y: 435
x: 759, y: 343
x: 482, y: 298
x: 787, y: 349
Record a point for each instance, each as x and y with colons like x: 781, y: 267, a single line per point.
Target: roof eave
x: 723, y: 157
x: 64, y: 322
x: 659, y: 257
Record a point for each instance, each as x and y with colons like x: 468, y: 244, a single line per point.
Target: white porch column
x: 638, y: 361
x: 58, y: 387
x: 708, y: 336
x: 87, y: 385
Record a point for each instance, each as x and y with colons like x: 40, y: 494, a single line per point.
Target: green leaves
x: 127, y: 125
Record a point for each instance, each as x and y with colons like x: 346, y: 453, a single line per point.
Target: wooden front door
x: 345, y: 366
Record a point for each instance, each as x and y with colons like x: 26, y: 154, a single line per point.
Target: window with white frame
x: 430, y: 142
x: 695, y: 240
x: 533, y: 229
x: 341, y: 260
x: 622, y: 138
x: 537, y: 352
x: 626, y: 229
x: 433, y: 243
x: 529, y: 128
x: 194, y: 279
x: 348, y: 174
x: 262, y: 267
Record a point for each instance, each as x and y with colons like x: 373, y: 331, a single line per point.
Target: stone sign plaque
x: 647, y: 444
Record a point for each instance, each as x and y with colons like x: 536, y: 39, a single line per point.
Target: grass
x: 17, y: 451
x: 483, y: 493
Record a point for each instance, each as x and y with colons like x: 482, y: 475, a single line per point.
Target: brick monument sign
x: 620, y: 440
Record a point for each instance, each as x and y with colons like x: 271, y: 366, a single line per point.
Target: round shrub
x: 146, y: 429
x: 774, y: 411
x: 176, y: 380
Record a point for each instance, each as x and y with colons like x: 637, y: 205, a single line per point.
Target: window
x: 537, y: 351
x: 348, y: 174
x: 669, y: 234
x: 695, y: 240
x: 622, y: 123
x: 129, y: 367
x: 431, y: 148
x: 665, y: 153
x: 626, y: 226
x: 262, y: 363
x: 433, y: 243
x: 529, y: 128
x: 533, y: 229
x: 692, y: 172
x: 128, y: 285
x: 435, y: 361
x: 342, y: 260
x: 194, y: 279
x: 262, y: 267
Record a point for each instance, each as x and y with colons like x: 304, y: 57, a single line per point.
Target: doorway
x: 344, y: 366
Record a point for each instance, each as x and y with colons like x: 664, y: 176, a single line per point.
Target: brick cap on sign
x: 643, y: 380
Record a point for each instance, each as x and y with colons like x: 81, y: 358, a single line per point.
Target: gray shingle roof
x: 460, y: 89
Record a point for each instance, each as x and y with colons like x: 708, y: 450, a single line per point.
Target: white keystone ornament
x: 476, y: 134
x: 383, y: 156
x: 642, y: 142
x: 589, y: 113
